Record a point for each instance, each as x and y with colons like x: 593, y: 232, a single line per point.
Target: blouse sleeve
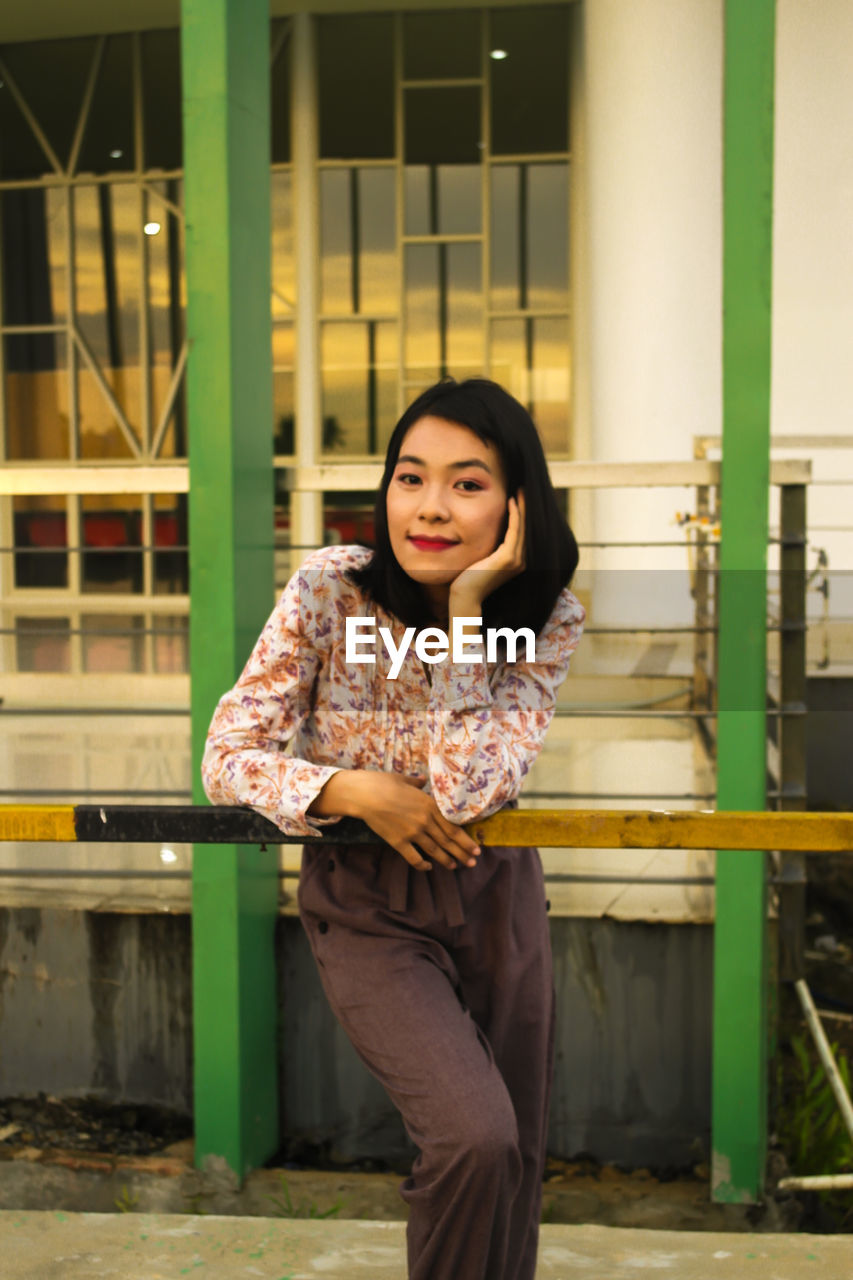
x: 244, y: 760
x: 483, y: 739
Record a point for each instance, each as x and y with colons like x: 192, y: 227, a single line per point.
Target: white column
x: 306, y: 508
x: 652, y: 149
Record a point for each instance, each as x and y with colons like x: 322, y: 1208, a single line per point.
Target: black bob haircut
x: 551, y: 551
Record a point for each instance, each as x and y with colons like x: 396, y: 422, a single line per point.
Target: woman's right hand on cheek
x: 401, y: 814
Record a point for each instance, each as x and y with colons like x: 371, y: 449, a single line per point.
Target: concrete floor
x: 91, y: 1246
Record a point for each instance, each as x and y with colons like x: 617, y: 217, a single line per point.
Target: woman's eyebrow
x: 454, y: 466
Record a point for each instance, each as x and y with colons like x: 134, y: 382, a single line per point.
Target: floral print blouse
x: 300, y: 712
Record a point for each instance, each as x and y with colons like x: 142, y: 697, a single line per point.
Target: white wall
x: 812, y: 391
x: 648, y: 171
x: 652, y: 272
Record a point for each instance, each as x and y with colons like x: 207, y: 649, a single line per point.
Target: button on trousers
x: 457, y: 1022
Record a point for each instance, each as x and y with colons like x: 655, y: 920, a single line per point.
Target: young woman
x: 433, y: 952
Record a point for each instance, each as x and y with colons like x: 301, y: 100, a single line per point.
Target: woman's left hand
x: 479, y: 580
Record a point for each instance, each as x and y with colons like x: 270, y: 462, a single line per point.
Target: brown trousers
x: 456, y: 1020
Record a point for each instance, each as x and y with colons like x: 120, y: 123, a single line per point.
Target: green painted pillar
x: 740, y: 940
x: 225, y: 68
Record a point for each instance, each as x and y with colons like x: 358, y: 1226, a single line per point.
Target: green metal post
x: 225, y: 67
x: 740, y: 948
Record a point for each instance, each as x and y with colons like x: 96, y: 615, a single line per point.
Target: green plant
x: 811, y: 1128
x: 286, y: 1208
x: 126, y: 1203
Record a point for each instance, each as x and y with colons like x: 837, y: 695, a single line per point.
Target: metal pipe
x: 306, y: 508
x: 836, y: 1083
x: 817, y: 1182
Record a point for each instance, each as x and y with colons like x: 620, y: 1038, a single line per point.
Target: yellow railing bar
x: 548, y: 828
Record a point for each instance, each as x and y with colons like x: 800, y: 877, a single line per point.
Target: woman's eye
x: 407, y: 478
x: 470, y: 486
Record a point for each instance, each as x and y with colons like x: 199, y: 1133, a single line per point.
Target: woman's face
x: 446, y: 503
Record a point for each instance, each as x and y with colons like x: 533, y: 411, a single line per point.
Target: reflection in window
x: 170, y: 538
x: 108, y: 222
x: 283, y: 274
x: 113, y: 643
x: 358, y: 241
x: 166, y: 300
x: 359, y: 385
x: 40, y: 530
x: 444, y: 330
x: 43, y: 644
x: 36, y: 396
x: 443, y: 199
x: 111, y: 534
x: 283, y: 363
x: 528, y: 357
x: 171, y: 644
x: 529, y: 252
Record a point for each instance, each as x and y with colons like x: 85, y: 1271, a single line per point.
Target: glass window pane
x: 101, y: 436
x: 161, y: 99
x: 35, y: 255
x: 420, y: 194
x: 358, y: 241
x: 443, y: 126
x: 355, y: 60
x: 423, y: 345
x: 530, y: 87
x: 464, y: 310
x: 508, y: 359
x: 166, y: 290
x: 43, y: 644
x: 530, y: 232
x: 108, y: 143
x: 530, y: 357
x: 550, y: 383
x: 443, y: 311
x: 52, y: 76
x: 36, y: 394
x: 40, y: 524
x: 171, y: 539
x: 283, y: 273
x: 107, y: 267
x: 377, y: 222
x: 111, y: 529
x: 113, y: 643
x: 336, y: 227
x: 175, y: 437
x: 283, y: 359
x: 441, y: 45
x: 280, y: 94
x: 547, y: 236
x: 171, y: 644
x: 443, y: 199
x: 21, y: 155
x: 504, y: 293
x: 359, y: 386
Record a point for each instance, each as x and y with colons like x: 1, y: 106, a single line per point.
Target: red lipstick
x: 431, y: 544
